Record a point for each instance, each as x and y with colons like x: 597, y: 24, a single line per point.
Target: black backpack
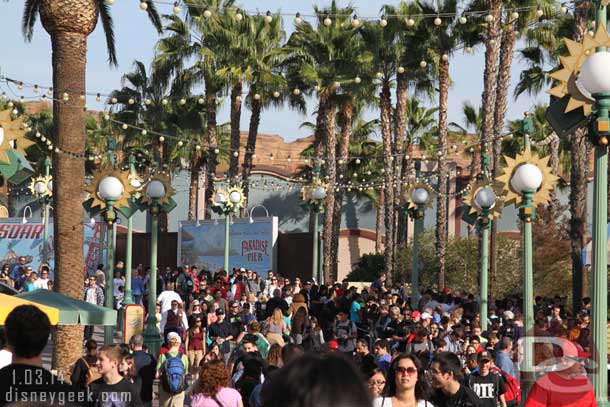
x: 188, y: 284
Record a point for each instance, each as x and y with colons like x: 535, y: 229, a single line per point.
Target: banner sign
x: 26, y: 239
x: 251, y: 245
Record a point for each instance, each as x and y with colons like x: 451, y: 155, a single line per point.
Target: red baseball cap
x: 416, y: 314
x: 446, y: 290
x: 333, y: 345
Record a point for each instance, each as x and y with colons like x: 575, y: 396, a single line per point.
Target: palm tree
x: 442, y: 40
x: 321, y: 58
x: 69, y: 23
x: 190, y: 56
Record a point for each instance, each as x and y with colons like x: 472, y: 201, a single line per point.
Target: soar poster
x: 26, y: 239
x: 251, y: 245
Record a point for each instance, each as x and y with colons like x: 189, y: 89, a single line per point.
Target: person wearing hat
x: 167, y: 399
x: 221, y: 332
x: 487, y: 384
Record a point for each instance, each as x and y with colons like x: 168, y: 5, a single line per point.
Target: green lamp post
x: 228, y: 203
x: 156, y: 197
x: 420, y: 198
x: 485, y: 199
x: 135, y: 182
x: 42, y: 189
x: 313, y: 197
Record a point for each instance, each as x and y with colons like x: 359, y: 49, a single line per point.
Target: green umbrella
x: 71, y: 310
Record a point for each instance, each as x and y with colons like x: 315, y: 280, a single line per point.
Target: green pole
x: 45, y: 233
x: 227, y: 237
x: 109, y: 300
x: 128, y: 299
x: 152, y: 337
x: 600, y: 239
x: 527, y: 212
x: 316, y: 226
x: 485, y: 224
x: 418, y: 228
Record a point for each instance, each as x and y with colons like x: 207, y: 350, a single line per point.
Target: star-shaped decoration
x: 543, y: 195
x: 169, y: 190
x: 12, y: 135
x: 122, y: 176
x: 45, y: 180
x: 409, y: 192
x: 568, y: 74
x: 474, y: 188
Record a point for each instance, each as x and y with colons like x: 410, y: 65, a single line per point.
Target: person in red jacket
x: 568, y: 387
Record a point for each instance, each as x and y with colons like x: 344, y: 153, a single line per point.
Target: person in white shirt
x: 165, y: 300
x: 116, y: 283
x: 42, y: 283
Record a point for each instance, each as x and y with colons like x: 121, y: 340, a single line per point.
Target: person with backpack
x: 172, y: 368
x: 185, y: 285
x: 85, y: 369
x: 486, y: 383
x: 345, y: 333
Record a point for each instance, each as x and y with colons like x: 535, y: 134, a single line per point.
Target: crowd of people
x: 237, y: 339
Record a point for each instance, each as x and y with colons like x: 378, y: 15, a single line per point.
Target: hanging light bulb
x: 514, y: 15
x: 268, y: 18
x: 445, y: 57
x: 563, y: 10
x: 35, y: 90
x: 161, y: 139
x: 180, y: 143
x: 489, y: 18
x: 401, y: 69
x: 124, y: 126
x: 164, y: 102
x: 355, y: 21
x: 207, y: 13
x: 539, y: 13
x: 383, y: 22
x: 437, y: 21
x: 114, y: 101
x: 176, y: 8
x: 110, y: 2
x: 238, y: 15
x: 98, y: 97
x: 357, y: 80
x: 131, y: 101
x: 235, y: 154
x: 276, y: 94
x: 297, y: 19
x: 336, y: 84
x: 183, y: 101
x: 316, y: 88
x: 463, y: 20
x: 468, y: 50
x: 257, y: 96
x: 144, y: 132
x: 423, y: 64
x: 327, y: 21
x: 107, y: 116
x: 216, y: 151
x: 296, y: 92
x: 144, y: 5
x: 198, y: 147
x: 410, y: 22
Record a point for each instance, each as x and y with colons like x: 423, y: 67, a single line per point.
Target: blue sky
x: 135, y: 38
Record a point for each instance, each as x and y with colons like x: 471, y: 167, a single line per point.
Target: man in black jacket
x: 446, y: 372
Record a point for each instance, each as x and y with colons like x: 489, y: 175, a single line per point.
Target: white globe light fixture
x: 527, y: 177
x: 134, y: 182
x: 420, y: 196
x: 50, y: 185
x: 319, y: 193
x: 593, y: 77
x: 235, y: 197
x: 155, y: 189
x: 485, y: 198
x: 39, y: 187
x: 110, y: 189
x: 220, y: 198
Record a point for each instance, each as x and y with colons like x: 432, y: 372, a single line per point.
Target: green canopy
x: 71, y: 310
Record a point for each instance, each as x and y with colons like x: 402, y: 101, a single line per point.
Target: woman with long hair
x: 274, y: 358
x: 376, y: 382
x: 127, y: 369
x: 299, y: 325
x: 275, y: 328
x: 212, y: 387
x: 195, y: 343
x: 406, y: 384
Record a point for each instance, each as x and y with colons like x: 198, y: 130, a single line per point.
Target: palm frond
x: 108, y: 26
x: 30, y: 14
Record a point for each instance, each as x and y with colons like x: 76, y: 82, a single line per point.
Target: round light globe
x: 134, y: 182
x: 155, y: 189
x: 420, y: 195
x: 50, y: 185
x: 110, y: 188
x: 319, y: 193
x: 220, y: 198
x: 527, y: 177
x: 593, y: 75
x: 485, y: 198
x: 235, y: 197
x: 39, y: 187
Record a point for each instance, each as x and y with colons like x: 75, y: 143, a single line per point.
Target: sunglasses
x: 406, y: 370
x: 377, y: 383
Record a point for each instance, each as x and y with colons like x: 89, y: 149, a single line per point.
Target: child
x: 113, y: 386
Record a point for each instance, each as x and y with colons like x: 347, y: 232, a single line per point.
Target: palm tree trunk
x: 210, y: 116
x: 255, y: 119
x: 506, y: 59
x: 194, y: 189
x: 578, y: 181
x: 443, y: 173
x: 346, y: 116
x: 400, y: 113
x: 328, y: 116
x: 69, y: 67
x: 554, y: 164
x: 235, y: 132
x: 490, y: 77
x: 388, y: 164
x: 379, y: 220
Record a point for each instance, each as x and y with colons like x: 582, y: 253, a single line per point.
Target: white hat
x: 173, y: 336
x: 509, y: 315
x: 426, y: 315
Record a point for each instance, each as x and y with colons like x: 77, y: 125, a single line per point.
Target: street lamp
x: 24, y: 219
x: 110, y: 189
x: 157, y: 197
x: 228, y: 203
x: 42, y: 189
x: 136, y: 183
x: 252, y: 210
x: 485, y: 199
x: 418, y: 202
